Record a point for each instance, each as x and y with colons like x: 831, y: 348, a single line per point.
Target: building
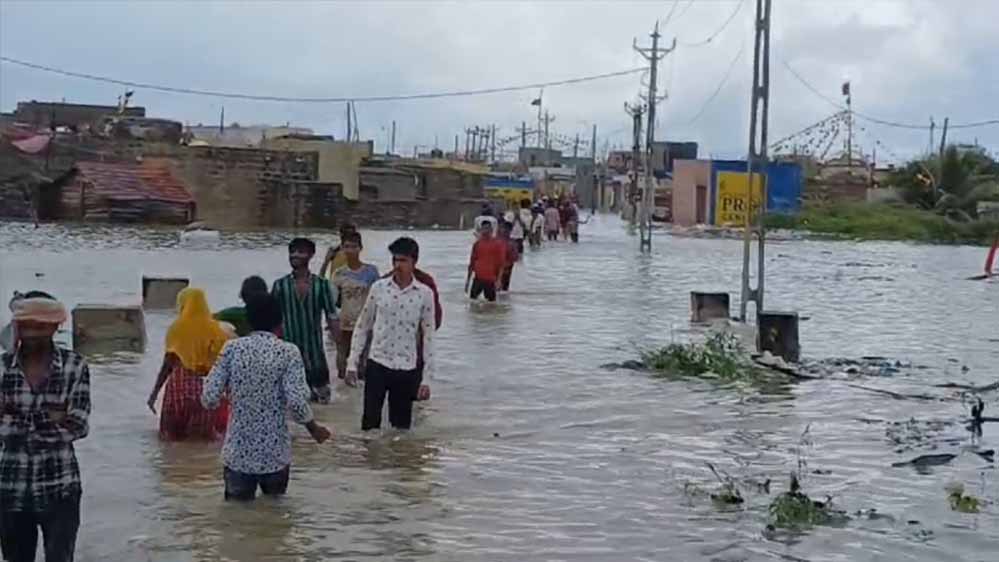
x: 532, y: 156
x: 339, y: 161
x: 665, y: 153
x: 46, y: 115
x: 717, y: 192
x: 147, y: 193
x: 240, y: 136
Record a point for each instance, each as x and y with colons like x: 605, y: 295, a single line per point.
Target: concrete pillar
x: 109, y: 328
x: 708, y: 306
x: 161, y: 292
x: 778, y: 334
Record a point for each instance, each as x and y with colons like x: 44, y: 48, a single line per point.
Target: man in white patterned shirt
x: 265, y: 377
x: 399, y: 312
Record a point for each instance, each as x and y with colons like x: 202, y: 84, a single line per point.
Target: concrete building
x: 532, y: 156
x: 240, y: 136
x: 692, y: 203
x: 44, y: 115
x: 339, y: 161
x: 717, y: 192
x: 665, y: 153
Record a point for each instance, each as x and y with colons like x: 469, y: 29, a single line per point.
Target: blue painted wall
x: 783, y: 182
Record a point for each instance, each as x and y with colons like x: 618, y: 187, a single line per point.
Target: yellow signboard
x: 733, y: 198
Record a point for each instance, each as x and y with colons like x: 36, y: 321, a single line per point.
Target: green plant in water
x: 721, y: 354
x: 795, y: 510
x: 961, y: 502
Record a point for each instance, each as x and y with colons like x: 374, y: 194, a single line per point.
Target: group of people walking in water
x: 500, y: 240
x: 239, y: 374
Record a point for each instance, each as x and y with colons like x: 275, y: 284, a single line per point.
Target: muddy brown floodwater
x: 529, y: 450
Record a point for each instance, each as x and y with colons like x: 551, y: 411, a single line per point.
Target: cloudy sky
x: 906, y: 60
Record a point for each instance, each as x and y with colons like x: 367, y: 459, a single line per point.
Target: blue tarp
x: 504, y: 183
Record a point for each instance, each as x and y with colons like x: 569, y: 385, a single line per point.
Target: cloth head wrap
x: 47, y: 311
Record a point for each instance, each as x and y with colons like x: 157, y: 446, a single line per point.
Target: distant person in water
x: 553, y: 221
x: 335, y: 256
x: 193, y: 343
x: 305, y: 298
x: 512, y: 255
x: 236, y: 315
x: 570, y: 220
x: 399, y: 319
x: 537, y: 225
x: 486, y: 216
x: 352, y: 282
x: 44, y: 408
x: 264, y: 379
x: 485, y: 266
x: 520, y: 223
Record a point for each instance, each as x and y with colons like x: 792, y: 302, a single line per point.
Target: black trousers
x: 487, y: 288
x: 242, y: 486
x: 399, y: 386
x: 58, y: 524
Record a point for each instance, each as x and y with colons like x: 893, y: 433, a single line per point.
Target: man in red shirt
x: 486, y: 265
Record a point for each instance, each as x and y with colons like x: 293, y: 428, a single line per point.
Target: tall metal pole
x: 757, y: 160
x: 636, y: 113
x: 348, y: 123
x: 492, y: 142
x: 392, y: 144
x: 653, y: 55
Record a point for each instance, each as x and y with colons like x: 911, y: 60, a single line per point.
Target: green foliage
x: 886, y: 222
x: 957, y: 177
x: 721, y: 355
x: 961, y: 502
x: 795, y: 510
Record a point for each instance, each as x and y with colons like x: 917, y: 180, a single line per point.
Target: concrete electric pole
x: 636, y: 111
x: 653, y: 54
x: 757, y: 159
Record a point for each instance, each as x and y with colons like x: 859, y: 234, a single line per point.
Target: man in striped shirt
x: 305, y: 298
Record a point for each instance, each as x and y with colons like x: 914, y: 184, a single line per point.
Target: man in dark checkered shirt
x: 44, y: 407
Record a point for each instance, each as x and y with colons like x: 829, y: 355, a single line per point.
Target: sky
x: 906, y: 60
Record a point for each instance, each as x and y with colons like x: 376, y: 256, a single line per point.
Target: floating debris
x: 959, y: 501
x: 795, y: 510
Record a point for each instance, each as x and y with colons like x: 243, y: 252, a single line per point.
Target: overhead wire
x: 724, y: 80
x: 879, y: 121
x: 717, y: 32
x: 253, y: 97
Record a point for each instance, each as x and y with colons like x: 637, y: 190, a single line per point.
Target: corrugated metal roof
x: 124, y: 182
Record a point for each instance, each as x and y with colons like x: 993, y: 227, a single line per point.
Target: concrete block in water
x: 778, y: 334
x: 109, y: 328
x: 161, y: 292
x: 708, y: 306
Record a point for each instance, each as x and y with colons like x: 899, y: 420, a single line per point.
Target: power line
x: 718, y: 32
x: 672, y: 9
x: 724, y: 80
x: 884, y: 122
x: 233, y: 95
x: 685, y: 9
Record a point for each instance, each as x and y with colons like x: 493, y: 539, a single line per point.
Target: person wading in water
x: 304, y: 299
x: 193, y: 342
x: 399, y: 318
x: 44, y: 408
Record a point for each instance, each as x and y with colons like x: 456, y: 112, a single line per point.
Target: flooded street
x: 529, y: 450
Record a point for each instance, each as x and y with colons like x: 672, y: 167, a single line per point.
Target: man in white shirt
x: 520, y: 219
x: 399, y: 316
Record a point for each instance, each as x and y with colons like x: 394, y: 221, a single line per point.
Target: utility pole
x: 575, y: 147
x: 541, y: 102
x: 492, y: 142
x: 468, y: 136
x: 653, y: 55
x: 636, y: 112
x: 943, y: 139
x: 933, y: 126
x: 455, y: 154
x: 548, y: 119
x: 523, y: 134
x: 392, y: 145
x: 350, y: 131
x: 598, y: 190
x: 758, y: 118
x: 849, y: 128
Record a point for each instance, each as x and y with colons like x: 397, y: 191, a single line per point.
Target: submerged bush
x: 795, y: 510
x: 961, y: 502
x: 721, y: 355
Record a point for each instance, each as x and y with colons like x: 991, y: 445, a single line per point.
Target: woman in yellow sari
x: 193, y: 343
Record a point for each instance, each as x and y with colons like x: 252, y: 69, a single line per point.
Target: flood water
x: 529, y: 450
